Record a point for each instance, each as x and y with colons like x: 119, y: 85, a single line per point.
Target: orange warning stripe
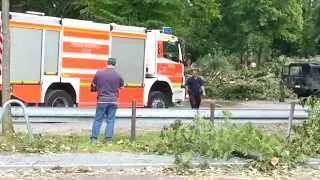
x: 83, y: 63
x: 85, y: 84
x: 128, y: 35
x: 85, y: 48
x: 34, y: 26
x: 175, y: 79
x: 105, y: 35
x: 28, y: 93
x: 126, y: 96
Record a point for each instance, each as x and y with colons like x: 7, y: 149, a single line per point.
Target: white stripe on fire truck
x: 84, y: 56
x: 85, y: 40
x: 78, y: 71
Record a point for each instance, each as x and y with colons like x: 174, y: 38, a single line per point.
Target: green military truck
x: 302, y: 78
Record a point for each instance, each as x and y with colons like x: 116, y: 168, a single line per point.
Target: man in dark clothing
x: 107, y: 83
x: 195, y: 89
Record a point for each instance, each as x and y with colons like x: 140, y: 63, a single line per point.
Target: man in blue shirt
x: 195, y: 89
x: 107, y: 83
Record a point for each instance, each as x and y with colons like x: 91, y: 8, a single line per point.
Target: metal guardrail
x: 43, y: 114
x: 25, y: 115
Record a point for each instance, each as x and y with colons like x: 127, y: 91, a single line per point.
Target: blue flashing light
x: 167, y: 30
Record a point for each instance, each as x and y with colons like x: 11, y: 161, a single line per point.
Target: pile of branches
x: 242, y: 85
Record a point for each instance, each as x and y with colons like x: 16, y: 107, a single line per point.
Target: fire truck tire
x: 58, y: 98
x: 158, y: 99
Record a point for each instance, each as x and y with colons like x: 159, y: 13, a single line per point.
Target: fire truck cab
x: 53, y: 61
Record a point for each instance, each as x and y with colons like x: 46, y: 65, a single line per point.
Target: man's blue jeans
x: 104, y: 111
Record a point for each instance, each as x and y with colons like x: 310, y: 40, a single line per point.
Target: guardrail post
x: 212, y: 109
x: 291, y: 116
x: 26, y: 117
x: 133, y: 120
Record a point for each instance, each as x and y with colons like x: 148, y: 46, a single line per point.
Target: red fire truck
x: 53, y: 61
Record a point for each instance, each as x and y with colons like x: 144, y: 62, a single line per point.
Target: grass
x: 53, y: 143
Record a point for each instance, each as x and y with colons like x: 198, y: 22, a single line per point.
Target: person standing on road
x: 107, y: 83
x: 195, y: 89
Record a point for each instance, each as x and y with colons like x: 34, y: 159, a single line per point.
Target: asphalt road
x: 117, y: 165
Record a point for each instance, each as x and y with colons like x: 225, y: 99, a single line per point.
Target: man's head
x: 112, y: 61
x: 195, y: 72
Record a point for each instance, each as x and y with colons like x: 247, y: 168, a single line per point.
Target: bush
x: 201, y: 139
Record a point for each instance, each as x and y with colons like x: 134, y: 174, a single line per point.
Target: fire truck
x: 53, y: 61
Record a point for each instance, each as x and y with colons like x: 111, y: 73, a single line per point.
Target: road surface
x: 127, y: 166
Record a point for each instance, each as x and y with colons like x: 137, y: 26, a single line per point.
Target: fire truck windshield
x: 171, y: 50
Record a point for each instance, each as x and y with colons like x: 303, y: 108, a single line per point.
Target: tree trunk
x: 7, y: 125
x: 259, y: 58
x: 241, y: 61
x: 245, y: 63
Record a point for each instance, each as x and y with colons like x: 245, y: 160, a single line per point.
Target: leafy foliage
x: 235, y: 86
x: 250, y: 27
x: 129, y: 12
x: 201, y: 140
x: 59, y: 8
x: 225, y: 80
x: 309, y: 39
x: 306, y: 137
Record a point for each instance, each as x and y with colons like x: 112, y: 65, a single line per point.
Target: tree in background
x: 309, y: 38
x: 58, y: 8
x: 197, y: 19
x: 250, y: 27
x: 316, y: 15
x: 156, y: 13
x: 253, y: 30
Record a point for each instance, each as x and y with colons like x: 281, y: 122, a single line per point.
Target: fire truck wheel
x: 58, y: 98
x: 158, y: 99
